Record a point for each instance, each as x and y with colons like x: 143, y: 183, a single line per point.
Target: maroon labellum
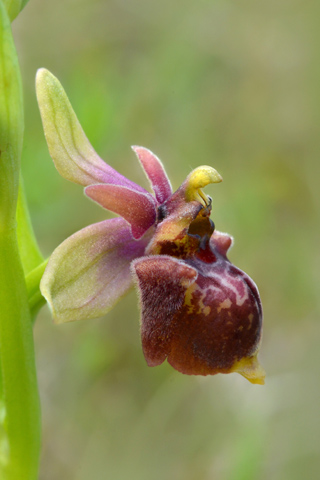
x: 199, y: 311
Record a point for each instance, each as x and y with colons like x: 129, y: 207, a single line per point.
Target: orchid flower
x: 199, y: 311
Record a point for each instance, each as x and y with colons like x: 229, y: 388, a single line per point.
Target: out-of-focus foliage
x: 234, y: 85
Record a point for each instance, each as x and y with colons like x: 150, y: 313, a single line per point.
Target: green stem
x: 36, y: 300
x: 21, y: 425
x: 28, y: 247
x: 19, y: 402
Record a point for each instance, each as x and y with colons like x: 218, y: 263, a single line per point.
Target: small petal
x: 71, y: 151
x: 162, y: 282
x: 90, y: 271
x: 155, y: 172
x: 221, y: 242
x: 137, y: 208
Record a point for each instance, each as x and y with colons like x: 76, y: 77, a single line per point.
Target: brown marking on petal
x: 225, y: 304
x: 183, y: 230
x: 171, y: 236
x: 194, y: 299
x: 202, y: 307
x: 189, y: 297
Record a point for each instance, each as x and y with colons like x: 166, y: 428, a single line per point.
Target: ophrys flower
x: 199, y: 311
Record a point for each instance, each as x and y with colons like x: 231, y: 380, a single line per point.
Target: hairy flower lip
x: 171, y: 333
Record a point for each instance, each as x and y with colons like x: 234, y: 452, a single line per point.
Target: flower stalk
x: 21, y: 423
x: 28, y: 247
x: 19, y: 401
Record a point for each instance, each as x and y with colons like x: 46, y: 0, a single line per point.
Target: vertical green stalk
x: 29, y: 251
x: 19, y: 402
x: 21, y: 426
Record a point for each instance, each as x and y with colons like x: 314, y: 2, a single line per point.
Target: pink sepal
x: 137, y: 208
x: 155, y: 172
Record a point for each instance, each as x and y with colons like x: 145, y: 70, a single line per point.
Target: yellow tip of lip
x: 250, y: 369
x: 199, y: 178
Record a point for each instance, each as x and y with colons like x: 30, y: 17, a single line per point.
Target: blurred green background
x: 232, y: 84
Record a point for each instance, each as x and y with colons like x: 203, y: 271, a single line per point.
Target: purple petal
x: 155, y: 172
x: 73, y: 155
x: 90, y: 271
x: 137, y: 208
x: 221, y: 242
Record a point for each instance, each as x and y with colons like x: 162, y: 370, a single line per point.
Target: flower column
x: 20, y: 412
